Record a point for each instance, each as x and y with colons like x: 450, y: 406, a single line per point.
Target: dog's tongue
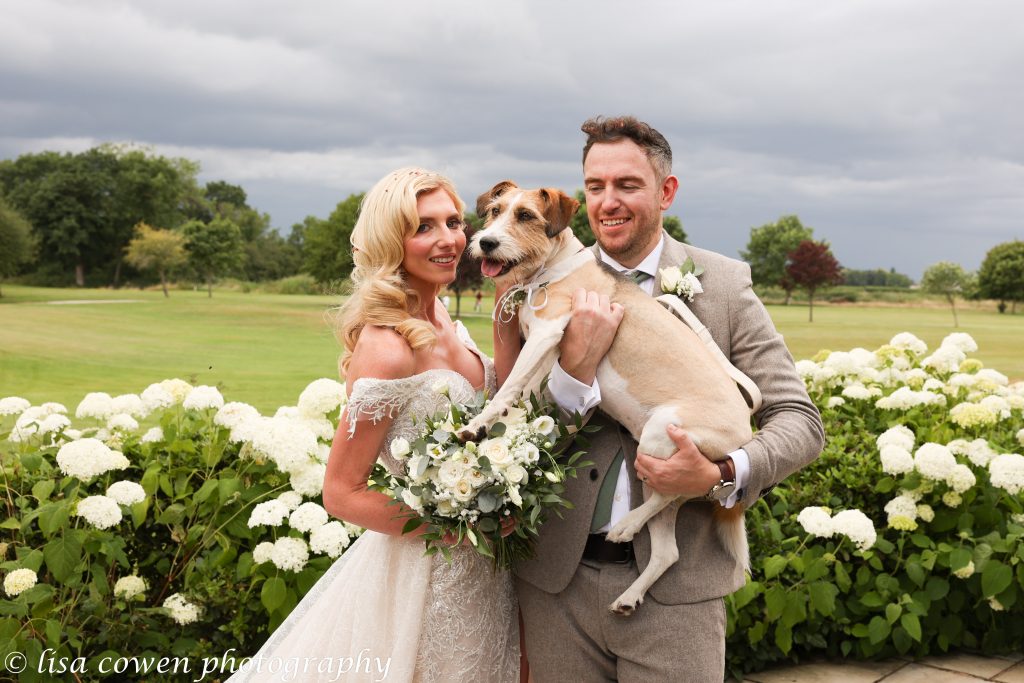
x: 490, y: 267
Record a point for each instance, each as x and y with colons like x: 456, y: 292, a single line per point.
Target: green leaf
x: 916, y: 573
x: 172, y: 514
x: 273, y: 593
x: 10, y: 523
x: 774, y: 565
x: 743, y: 596
x: 842, y: 577
x: 995, y: 578
x: 959, y: 558
x: 936, y: 588
x: 498, y: 429
x: 878, y: 630
x: 413, y: 524
x: 775, y: 602
x: 784, y: 638
x: 872, y: 599
x: 227, y: 488
x: 62, y: 554
x: 893, y: 612
x: 43, y: 489
x: 54, y: 516
x: 912, y: 625
x: 206, y: 490
x: 823, y: 597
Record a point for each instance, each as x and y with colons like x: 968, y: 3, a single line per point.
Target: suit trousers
x: 573, y: 636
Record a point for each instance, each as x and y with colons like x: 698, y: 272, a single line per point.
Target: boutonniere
x: 682, y: 280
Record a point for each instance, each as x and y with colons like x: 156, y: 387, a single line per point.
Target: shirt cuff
x: 741, y: 463
x: 571, y: 394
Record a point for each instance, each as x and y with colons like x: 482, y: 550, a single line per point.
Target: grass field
x: 263, y: 348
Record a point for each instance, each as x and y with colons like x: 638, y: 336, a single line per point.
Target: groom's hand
x: 687, y: 472
x: 589, y: 334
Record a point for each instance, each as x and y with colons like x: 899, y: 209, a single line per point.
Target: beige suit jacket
x: 789, y: 435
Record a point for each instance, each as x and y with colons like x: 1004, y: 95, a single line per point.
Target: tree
x: 810, y: 266
x: 467, y: 273
x: 947, y: 279
x: 580, y: 224
x: 768, y: 249
x: 159, y: 250
x: 875, y: 278
x: 220, y: 192
x: 327, y: 246
x: 214, y: 248
x: 1001, y: 275
x: 83, y: 208
x: 16, y: 245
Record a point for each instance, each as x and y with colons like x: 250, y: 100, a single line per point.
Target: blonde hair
x: 380, y: 296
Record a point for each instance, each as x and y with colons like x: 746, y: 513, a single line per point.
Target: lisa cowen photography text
x: 492, y: 493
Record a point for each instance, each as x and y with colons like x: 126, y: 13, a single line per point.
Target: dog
x: 525, y: 242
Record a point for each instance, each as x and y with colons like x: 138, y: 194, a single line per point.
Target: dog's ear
x: 559, y: 208
x: 487, y: 197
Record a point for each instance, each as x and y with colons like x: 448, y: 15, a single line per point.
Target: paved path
x: 957, y: 668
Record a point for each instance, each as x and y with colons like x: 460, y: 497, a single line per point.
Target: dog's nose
x: 488, y: 244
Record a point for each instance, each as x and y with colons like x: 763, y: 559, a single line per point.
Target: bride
x: 384, y: 610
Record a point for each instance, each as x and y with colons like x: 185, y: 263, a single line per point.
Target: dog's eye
x: 495, y: 211
x: 524, y: 215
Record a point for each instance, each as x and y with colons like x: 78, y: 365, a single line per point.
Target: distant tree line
x: 116, y: 214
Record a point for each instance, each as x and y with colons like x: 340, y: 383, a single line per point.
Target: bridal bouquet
x: 492, y: 493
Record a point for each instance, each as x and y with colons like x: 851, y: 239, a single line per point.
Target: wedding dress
x: 386, y: 611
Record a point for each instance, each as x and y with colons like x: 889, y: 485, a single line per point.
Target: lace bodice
x: 411, y: 399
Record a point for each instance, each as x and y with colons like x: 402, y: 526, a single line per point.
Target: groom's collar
x: 649, y: 265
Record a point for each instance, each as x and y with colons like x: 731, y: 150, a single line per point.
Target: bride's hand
x: 508, y: 526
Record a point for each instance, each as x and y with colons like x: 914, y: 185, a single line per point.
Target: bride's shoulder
x: 381, y: 353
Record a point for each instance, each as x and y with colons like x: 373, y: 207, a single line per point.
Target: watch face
x: 722, y: 490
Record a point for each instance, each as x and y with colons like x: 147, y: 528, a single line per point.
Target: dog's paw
x: 625, y: 606
x: 623, y: 532
x: 471, y: 432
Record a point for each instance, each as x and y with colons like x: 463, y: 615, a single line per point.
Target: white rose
x: 515, y: 474
x: 400, y: 448
x: 446, y: 508
x: 449, y: 474
x: 496, y: 450
x: 463, y: 490
x: 671, y: 278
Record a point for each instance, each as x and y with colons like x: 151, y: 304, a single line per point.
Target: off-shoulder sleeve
x: 376, y: 399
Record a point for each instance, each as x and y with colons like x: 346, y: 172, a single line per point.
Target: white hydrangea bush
x: 162, y: 511
x: 906, y: 537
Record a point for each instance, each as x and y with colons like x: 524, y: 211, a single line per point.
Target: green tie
x: 603, y: 509
x: 638, y: 276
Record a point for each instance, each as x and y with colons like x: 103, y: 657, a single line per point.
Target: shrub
x: 140, y: 543
x: 296, y: 284
x: 924, y: 445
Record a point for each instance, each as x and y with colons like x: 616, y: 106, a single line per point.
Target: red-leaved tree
x: 810, y: 266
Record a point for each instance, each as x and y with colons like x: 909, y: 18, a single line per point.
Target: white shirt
x: 571, y: 394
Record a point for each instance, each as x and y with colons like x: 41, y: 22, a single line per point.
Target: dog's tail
x: 733, y: 533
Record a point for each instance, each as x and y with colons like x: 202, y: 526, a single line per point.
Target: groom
x: 678, y: 633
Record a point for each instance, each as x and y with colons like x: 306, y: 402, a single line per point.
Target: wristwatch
x: 726, y: 485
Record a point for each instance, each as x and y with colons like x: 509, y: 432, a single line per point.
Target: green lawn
x: 263, y: 348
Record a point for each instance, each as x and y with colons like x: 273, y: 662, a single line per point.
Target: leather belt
x: 599, y: 549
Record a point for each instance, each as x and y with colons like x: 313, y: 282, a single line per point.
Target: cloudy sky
x: 892, y: 128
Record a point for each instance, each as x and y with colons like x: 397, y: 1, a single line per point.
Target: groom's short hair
x: 655, y: 146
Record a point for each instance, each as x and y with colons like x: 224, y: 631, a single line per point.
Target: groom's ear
x: 559, y: 208
x: 487, y: 197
